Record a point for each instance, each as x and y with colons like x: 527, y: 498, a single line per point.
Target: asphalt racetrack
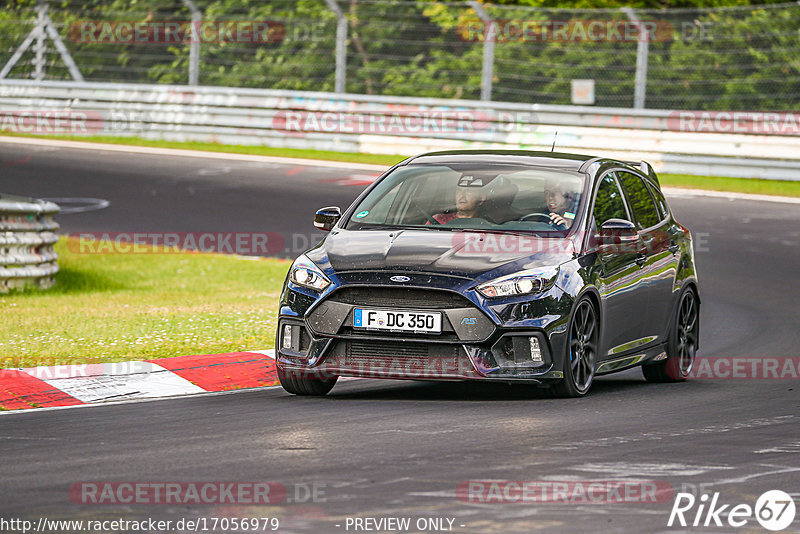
x: 401, y: 449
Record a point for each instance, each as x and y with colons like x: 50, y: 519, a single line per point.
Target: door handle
x: 673, y: 247
x: 640, y: 259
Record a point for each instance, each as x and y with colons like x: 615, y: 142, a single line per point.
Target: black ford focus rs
x: 510, y: 266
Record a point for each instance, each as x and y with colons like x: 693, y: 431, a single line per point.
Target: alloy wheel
x: 687, y: 333
x: 583, y: 346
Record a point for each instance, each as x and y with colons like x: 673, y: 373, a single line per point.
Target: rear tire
x: 581, y: 353
x: 681, y: 345
x: 302, y: 384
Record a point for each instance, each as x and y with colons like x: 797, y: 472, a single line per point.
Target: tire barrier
x: 27, y: 235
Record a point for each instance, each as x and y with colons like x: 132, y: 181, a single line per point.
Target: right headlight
x: 527, y: 282
x: 304, y: 273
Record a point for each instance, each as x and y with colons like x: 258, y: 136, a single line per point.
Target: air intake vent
x: 388, y: 349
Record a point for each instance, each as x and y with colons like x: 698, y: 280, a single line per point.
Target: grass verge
x: 785, y: 188
x: 115, y: 307
x: 739, y: 185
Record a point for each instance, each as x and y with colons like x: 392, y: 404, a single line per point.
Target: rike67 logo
x: 774, y: 510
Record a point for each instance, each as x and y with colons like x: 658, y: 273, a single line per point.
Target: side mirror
x: 616, y: 231
x: 326, y: 218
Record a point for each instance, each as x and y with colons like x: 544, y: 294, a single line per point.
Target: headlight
x: 521, y: 283
x: 305, y: 273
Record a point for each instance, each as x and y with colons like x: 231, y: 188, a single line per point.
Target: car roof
x: 560, y: 160
x: 552, y: 160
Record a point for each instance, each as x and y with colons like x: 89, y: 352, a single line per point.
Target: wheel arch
x: 688, y: 284
x: 593, y: 294
x: 691, y: 283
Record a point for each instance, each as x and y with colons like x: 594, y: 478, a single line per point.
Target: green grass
x: 786, y: 188
x: 740, y: 185
x: 115, y: 307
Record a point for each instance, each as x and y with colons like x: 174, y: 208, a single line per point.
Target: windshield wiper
x: 387, y: 227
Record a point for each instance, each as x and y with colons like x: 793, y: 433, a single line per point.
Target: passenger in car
x: 469, y: 201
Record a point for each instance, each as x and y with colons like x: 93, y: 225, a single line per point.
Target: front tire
x: 581, y: 353
x: 302, y: 384
x: 681, y: 345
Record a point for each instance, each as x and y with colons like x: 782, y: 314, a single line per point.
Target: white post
x: 642, y: 51
x: 41, y: 43
x: 490, y: 36
x: 194, y: 46
x: 341, y: 46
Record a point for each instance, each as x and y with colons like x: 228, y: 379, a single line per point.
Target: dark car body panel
x: 433, y: 252
x: 635, y: 288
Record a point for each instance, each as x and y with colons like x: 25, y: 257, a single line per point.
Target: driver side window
x: 608, y: 203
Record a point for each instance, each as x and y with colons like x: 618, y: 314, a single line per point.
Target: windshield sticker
x: 362, y: 214
x: 569, y: 215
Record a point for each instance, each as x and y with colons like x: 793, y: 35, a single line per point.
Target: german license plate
x: 397, y: 321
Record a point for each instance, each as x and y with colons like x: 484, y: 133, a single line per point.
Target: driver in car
x: 560, y: 204
x: 468, y: 205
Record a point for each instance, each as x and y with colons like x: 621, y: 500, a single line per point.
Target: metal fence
x: 737, y: 58
x: 27, y: 236
x: 749, y: 145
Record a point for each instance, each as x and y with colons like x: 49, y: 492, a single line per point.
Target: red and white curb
x: 72, y: 385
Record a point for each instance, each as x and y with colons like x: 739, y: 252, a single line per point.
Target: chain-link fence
x: 741, y: 58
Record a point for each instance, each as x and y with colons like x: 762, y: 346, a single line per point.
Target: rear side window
x: 661, y: 203
x: 639, y: 200
x: 608, y: 203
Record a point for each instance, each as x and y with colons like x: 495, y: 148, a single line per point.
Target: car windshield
x: 516, y: 198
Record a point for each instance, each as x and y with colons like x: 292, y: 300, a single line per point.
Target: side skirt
x: 651, y: 355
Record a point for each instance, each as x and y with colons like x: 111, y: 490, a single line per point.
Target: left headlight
x: 522, y: 283
x: 304, y: 273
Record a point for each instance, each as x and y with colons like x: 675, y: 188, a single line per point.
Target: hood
x: 470, y: 254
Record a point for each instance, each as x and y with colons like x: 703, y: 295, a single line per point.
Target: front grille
x: 398, y: 355
x: 400, y: 297
x: 389, y: 349
x: 398, y: 360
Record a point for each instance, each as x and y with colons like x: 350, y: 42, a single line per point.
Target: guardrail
x: 27, y: 236
x: 750, y: 145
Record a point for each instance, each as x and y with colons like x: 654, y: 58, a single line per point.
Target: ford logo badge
x: 400, y: 279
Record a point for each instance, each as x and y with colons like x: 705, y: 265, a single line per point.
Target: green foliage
x: 731, y: 58
x: 743, y: 59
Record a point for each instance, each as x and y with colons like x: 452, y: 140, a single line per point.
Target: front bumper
x: 477, y: 342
